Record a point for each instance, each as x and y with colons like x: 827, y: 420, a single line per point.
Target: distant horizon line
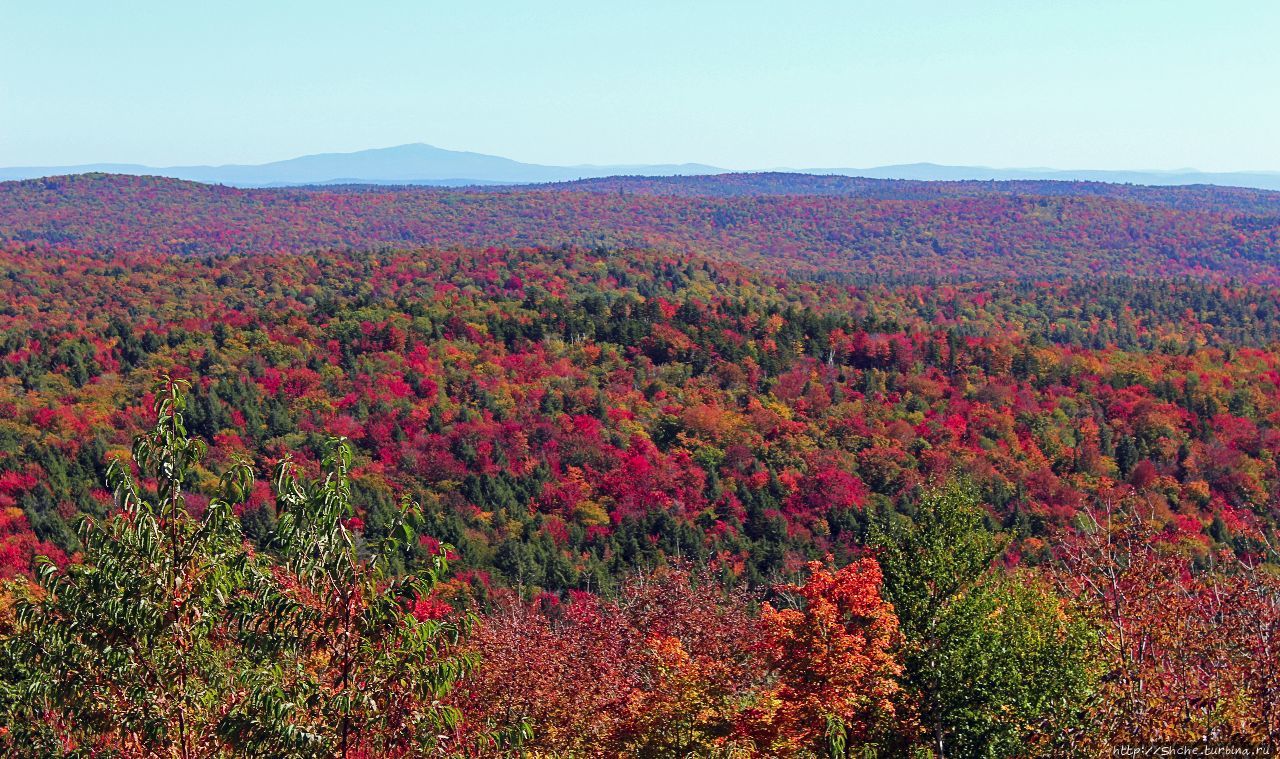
x: 422, y: 164
x: 640, y: 164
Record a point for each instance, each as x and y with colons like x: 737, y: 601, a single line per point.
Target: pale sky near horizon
x: 1086, y: 84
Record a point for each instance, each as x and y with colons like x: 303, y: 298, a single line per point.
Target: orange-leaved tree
x: 833, y: 656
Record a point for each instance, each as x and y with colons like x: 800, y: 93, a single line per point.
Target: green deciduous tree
x: 127, y: 651
x: 173, y: 638
x: 990, y: 659
x: 339, y: 666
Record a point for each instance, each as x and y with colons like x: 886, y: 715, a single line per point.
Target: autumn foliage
x: 834, y: 657
x: 1187, y: 653
x: 720, y: 466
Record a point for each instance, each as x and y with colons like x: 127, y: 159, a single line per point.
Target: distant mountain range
x: 421, y: 164
x: 405, y: 164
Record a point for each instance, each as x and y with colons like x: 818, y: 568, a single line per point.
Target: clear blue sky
x: 1068, y: 83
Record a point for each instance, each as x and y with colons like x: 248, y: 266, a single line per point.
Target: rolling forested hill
x: 893, y: 230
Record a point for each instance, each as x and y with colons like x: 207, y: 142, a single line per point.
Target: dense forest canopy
x: 891, y: 232
x: 766, y: 393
